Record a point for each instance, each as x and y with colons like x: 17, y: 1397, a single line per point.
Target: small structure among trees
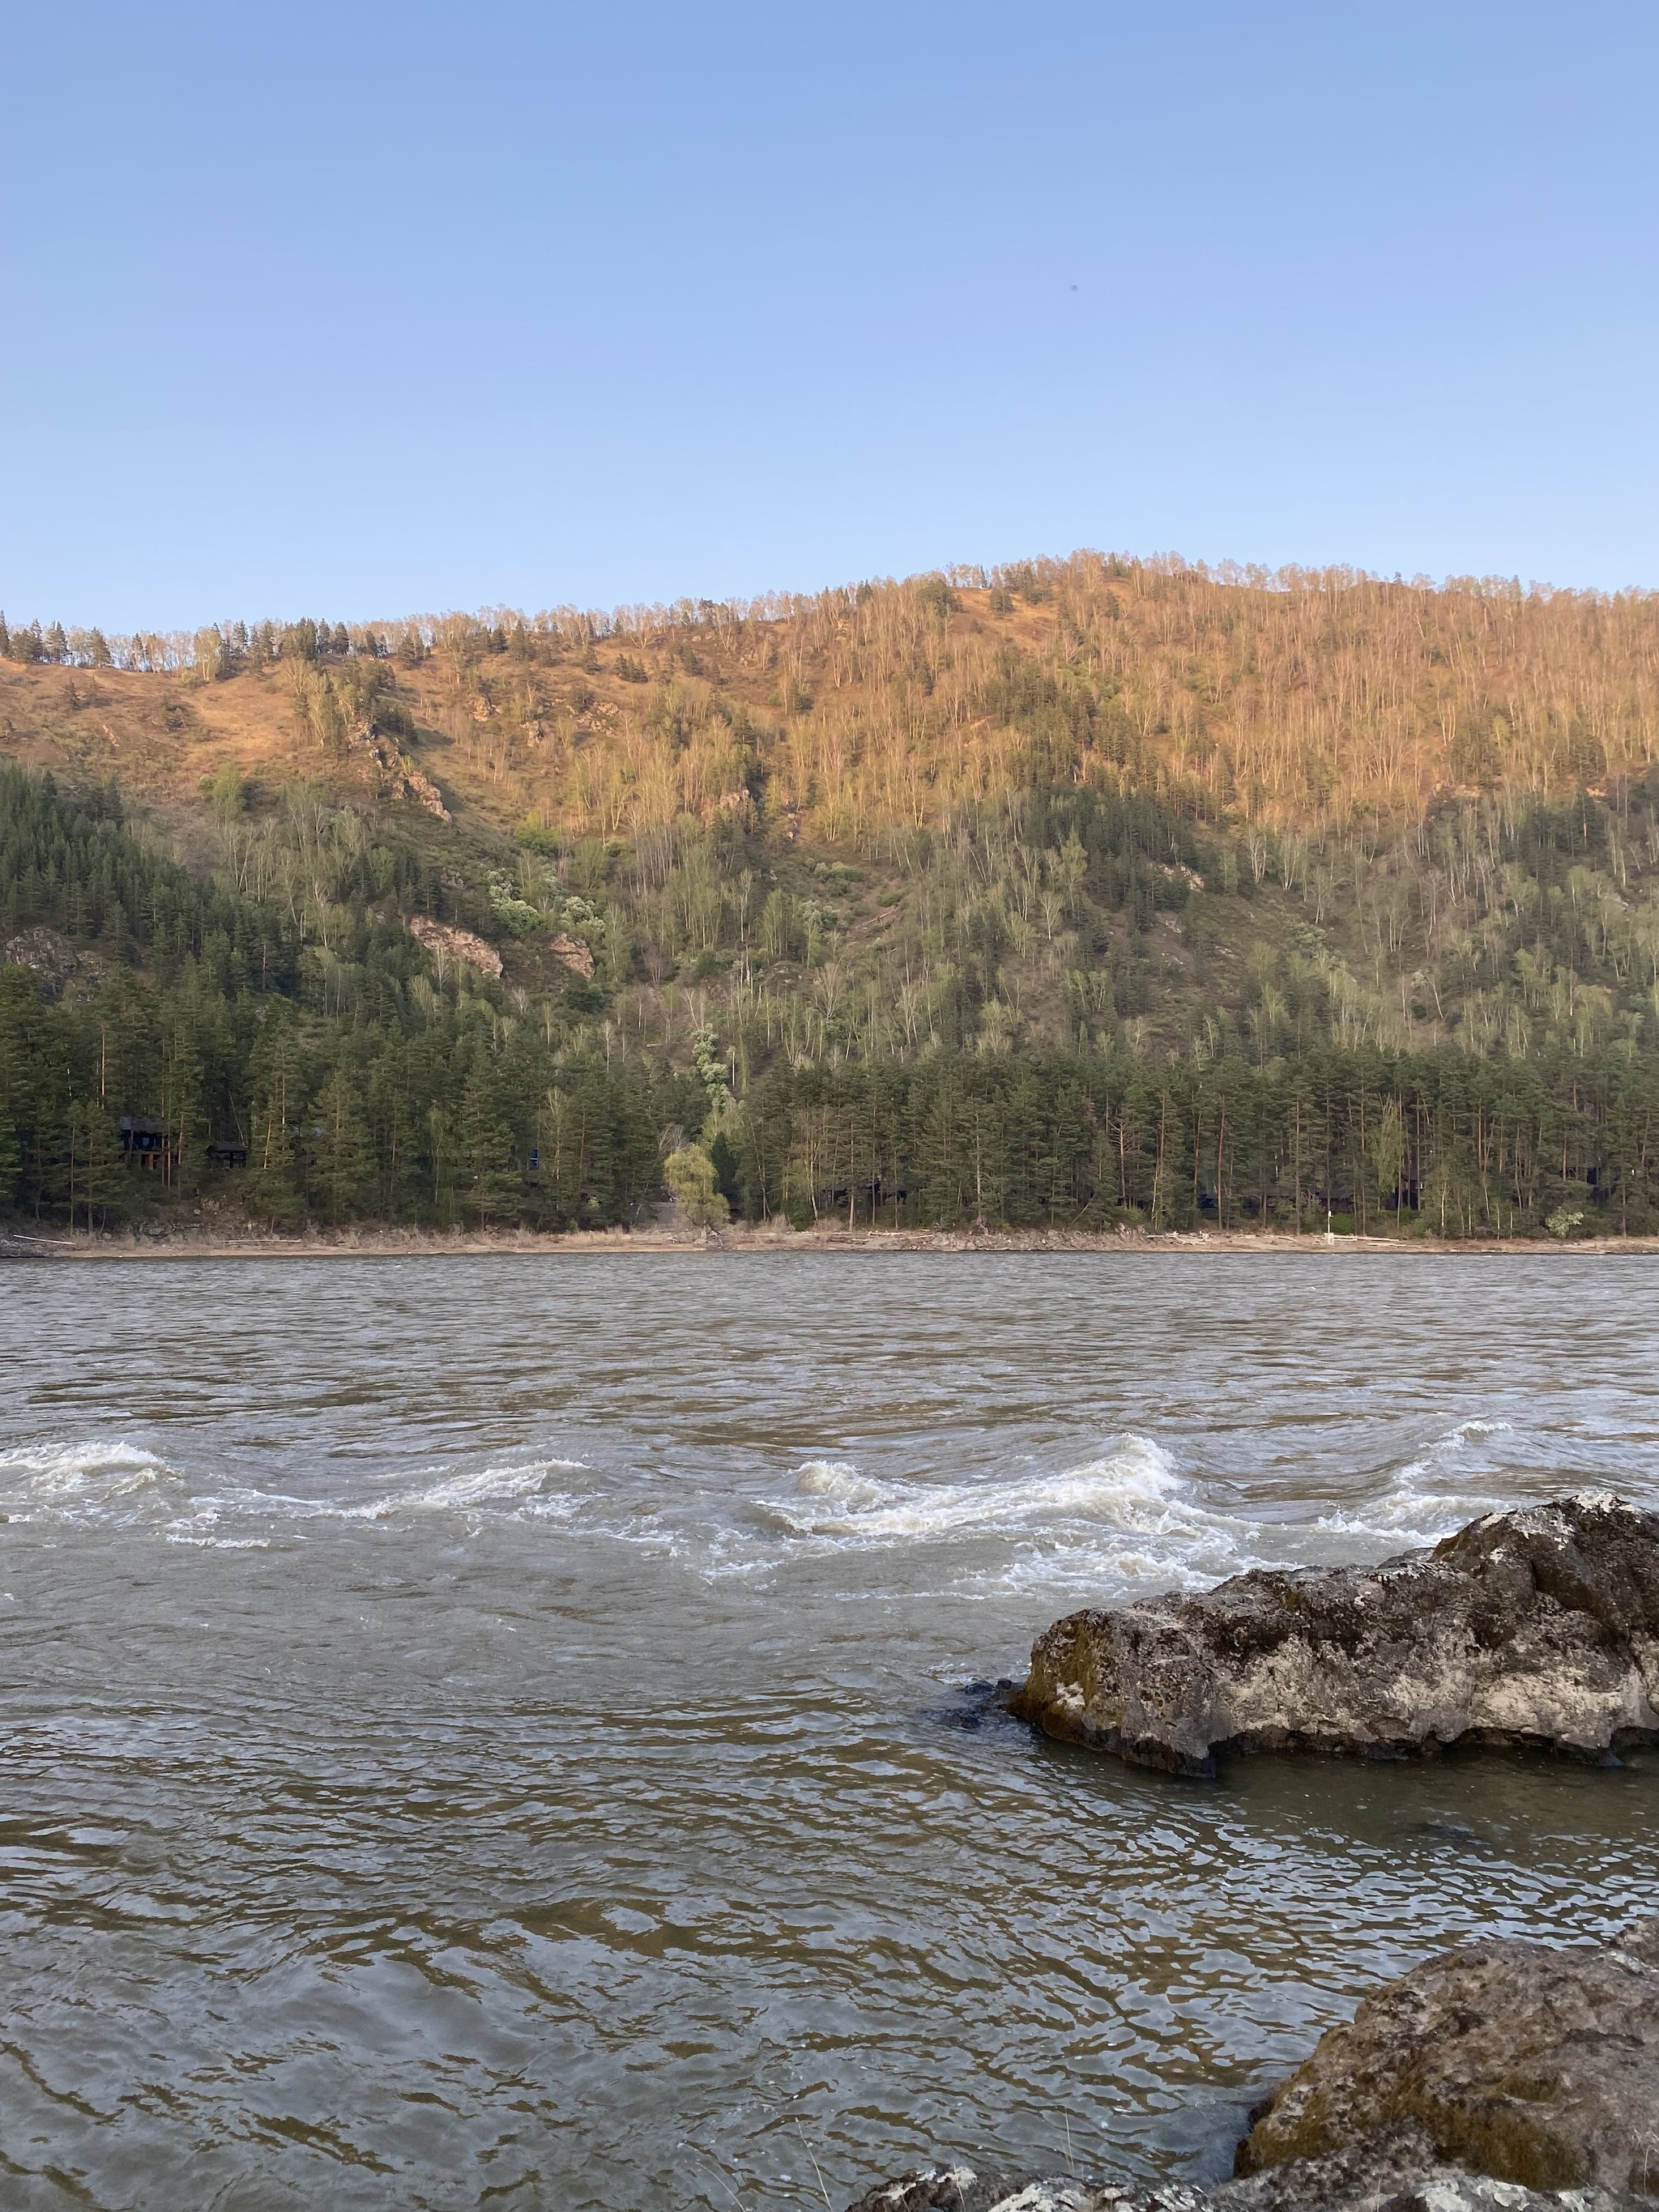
x: 145, y: 1139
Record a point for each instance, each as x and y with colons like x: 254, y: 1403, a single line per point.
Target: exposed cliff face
x: 445, y: 942
x: 1538, y: 1626
x: 1500, y: 2077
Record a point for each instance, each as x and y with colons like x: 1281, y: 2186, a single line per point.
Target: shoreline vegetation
x: 742, y: 1237
x: 1096, y: 896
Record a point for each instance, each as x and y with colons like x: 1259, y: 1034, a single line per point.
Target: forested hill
x: 1084, y: 891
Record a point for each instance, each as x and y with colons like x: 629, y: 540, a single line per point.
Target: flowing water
x: 493, y: 1732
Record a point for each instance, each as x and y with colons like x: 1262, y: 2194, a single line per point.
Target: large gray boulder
x: 1499, y: 2077
x: 1538, y: 1626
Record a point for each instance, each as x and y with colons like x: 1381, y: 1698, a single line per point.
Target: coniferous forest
x: 1073, y: 894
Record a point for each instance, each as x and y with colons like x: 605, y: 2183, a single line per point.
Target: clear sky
x: 360, y: 309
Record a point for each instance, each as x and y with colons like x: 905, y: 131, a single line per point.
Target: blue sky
x: 358, y: 310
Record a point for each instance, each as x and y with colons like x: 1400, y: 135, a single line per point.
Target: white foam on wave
x: 1132, y: 1521
x: 1431, y: 1495
x: 218, y: 1543
x: 1128, y: 1517
x: 530, y: 1488
x: 1134, y: 1485
x: 102, y: 1478
x: 115, y: 1482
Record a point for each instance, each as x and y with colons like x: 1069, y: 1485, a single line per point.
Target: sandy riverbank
x: 219, y: 1244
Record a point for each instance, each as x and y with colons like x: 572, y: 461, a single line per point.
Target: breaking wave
x: 1124, y: 1520
x: 1434, y: 1493
x: 101, y: 1480
x: 533, y: 1489
x: 120, y: 1484
x: 1132, y: 1519
x: 1129, y: 1517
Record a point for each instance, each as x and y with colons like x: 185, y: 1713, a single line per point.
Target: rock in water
x: 1537, y: 1627
x: 1500, y: 2077
x: 1395, y: 2173
x: 959, y: 2189
x: 1526, y: 2064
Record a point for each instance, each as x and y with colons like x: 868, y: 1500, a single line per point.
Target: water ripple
x: 545, y: 1775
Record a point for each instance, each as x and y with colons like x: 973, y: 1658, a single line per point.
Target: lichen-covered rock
x: 1500, y: 2077
x: 959, y: 2189
x: 1397, y: 2171
x: 1537, y: 1627
x: 1516, y: 2060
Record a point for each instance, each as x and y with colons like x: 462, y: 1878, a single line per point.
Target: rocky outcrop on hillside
x: 1537, y: 1627
x: 571, y: 953
x: 55, y: 962
x: 445, y: 942
x: 1500, y: 2077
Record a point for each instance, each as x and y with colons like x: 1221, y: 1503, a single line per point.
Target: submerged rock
x: 1537, y: 1627
x: 1503, y: 2076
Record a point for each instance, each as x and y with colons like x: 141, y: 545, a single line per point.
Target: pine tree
x: 103, y: 1181
x: 340, y: 1161
x: 491, y: 1185
x: 181, y: 1100
x: 11, y: 1157
x: 273, y: 1188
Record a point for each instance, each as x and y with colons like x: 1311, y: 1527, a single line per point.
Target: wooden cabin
x: 144, y: 1140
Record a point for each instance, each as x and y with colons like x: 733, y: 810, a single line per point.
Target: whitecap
x: 116, y: 1482
x: 88, y: 1479
x: 838, y: 1479
x: 531, y: 1485
x: 1135, y: 1485
x: 219, y: 1543
x: 529, y: 1489
x: 1430, y: 1497
x: 1128, y: 1515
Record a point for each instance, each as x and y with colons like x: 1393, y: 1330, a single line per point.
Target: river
x: 493, y: 1732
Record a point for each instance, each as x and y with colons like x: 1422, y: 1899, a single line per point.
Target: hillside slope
x: 848, y: 780
x: 1130, y: 815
